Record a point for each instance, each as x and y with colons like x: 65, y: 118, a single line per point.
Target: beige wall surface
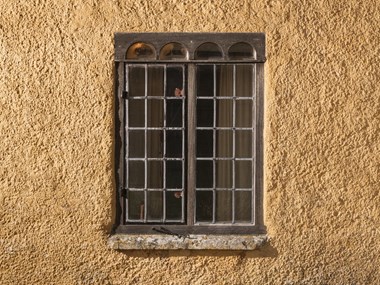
x: 322, y: 142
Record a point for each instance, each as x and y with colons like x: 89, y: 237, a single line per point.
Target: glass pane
x: 155, y: 81
x: 204, y: 205
x: 174, y: 144
x: 136, y: 174
x: 174, y: 113
x: 136, y: 111
x: 204, y: 143
x: 155, y: 113
x: 155, y: 174
x: 205, y: 113
x: 136, y: 81
x: 224, y: 116
x: 155, y: 146
x: 136, y: 205
x: 224, y: 143
x: 224, y: 80
x: 240, y: 51
x: 141, y: 51
x: 223, y: 206
x: 136, y: 147
x: 154, y: 205
x: 174, y: 174
x: 224, y: 174
x: 207, y: 51
x: 243, y: 144
x: 174, y: 205
x: 243, y: 113
x: 243, y: 174
x: 244, y: 79
x: 205, y: 81
x: 173, y: 51
x: 174, y: 81
x: 204, y: 174
x: 243, y: 206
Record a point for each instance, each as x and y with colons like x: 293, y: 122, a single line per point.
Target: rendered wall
x: 321, y: 142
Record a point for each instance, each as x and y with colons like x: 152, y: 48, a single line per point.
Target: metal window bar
x: 254, y: 120
x: 155, y: 159
x: 223, y: 128
x: 154, y: 97
x: 164, y: 150
x: 224, y: 158
x: 238, y: 98
x: 146, y: 144
x: 214, y: 148
x: 191, y: 147
x: 198, y: 98
x: 198, y: 62
x: 155, y: 128
x: 156, y: 189
x: 224, y: 189
x: 233, y: 140
x: 125, y: 146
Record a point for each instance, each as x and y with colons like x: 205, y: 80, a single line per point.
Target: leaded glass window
x: 189, y: 132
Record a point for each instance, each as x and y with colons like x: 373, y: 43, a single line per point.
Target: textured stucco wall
x: 321, y: 148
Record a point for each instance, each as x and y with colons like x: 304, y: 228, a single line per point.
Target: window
x: 189, y: 123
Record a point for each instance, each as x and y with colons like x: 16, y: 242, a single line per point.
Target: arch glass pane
x: 208, y: 51
x: 240, y: 51
x: 173, y: 51
x: 141, y: 51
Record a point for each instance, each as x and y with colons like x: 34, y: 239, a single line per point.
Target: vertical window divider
x: 146, y: 143
x: 164, y: 152
x: 254, y: 130
x: 259, y: 95
x: 214, y: 147
x: 191, y: 123
x: 125, y: 151
x: 233, y: 140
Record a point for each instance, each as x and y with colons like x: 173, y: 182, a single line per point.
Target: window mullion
x: 146, y: 144
x: 258, y: 198
x: 254, y: 154
x: 123, y: 77
x: 164, y: 150
x: 214, y: 147
x: 233, y: 141
x: 191, y: 141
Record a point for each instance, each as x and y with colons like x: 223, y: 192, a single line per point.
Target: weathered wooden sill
x: 192, y: 242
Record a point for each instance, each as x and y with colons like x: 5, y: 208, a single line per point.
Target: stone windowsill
x: 193, y: 242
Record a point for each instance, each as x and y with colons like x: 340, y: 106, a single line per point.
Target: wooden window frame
x: 191, y: 41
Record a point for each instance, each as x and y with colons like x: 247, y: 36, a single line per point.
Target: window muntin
x: 237, y: 138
